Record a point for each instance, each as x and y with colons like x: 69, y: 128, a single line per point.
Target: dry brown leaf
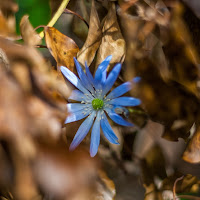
x: 88, y: 51
x: 4, y: 27
x: 112, y: 41
x: 192, y: 153
x: 182, y: 186
x: 155, y: 11
x: 29, y: 35
x: 16, y: 52
x: 184, y: 54
x: 8, y: 5
x: 152, y: 193
x: 105, y: 187
x: 63, y: 173
x: 12, y: 105
x: 154, y: 47
x: 62, y: 48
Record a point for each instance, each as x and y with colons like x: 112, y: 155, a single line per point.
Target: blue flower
x: 94, y: 103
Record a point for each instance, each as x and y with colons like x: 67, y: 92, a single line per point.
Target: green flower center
x: 97, y: 104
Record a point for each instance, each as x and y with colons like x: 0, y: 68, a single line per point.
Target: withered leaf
x: 29, y: 36
x: 154, y: 46
x: 154, y: 90
x: 155, y: 11
x: 183, y: 60
x: 9, y: 5
x: 4, y: 27
x: 192, y: 153
x: 184, y: 185
x: 112, y: 41
x: 152, y: 193
x: 62, y: 48
x: 72, y: 173
x: 88, y: 51
x: 105, y: 187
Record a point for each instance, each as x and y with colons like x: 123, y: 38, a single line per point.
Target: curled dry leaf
x: 62, y: 48
x: 88, y: 51
x: 112, y: 42
x: 29, y: 35
x: 192, y: 153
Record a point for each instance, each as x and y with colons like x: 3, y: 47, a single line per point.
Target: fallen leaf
x: 88, y: 51
x: 192, y: 152
x: 154, y: 90
x: 154, y: 48
x: 155, y: 11
x: 29, y: 35
x: 4, y: 27
x: 184, y: 185
x: 9, y: 5
x: 184, y: 54
x: 78, y: 26
x: 112, y: 42
x: 105, y: 187
x: 72, y: 173
x: 152, y: 193
x: 62, y: 48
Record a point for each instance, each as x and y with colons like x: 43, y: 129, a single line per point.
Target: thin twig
x: 67, y: 11
x: 56, y: 15
x: 174, y: 187
x: 40, y: 26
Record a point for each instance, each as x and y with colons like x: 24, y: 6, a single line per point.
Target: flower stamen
x: 97, y: 104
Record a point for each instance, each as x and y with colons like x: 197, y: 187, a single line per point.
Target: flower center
x: 97, y: 104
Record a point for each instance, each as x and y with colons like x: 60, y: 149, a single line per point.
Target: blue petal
x: 111, y: 78
x: 107, y: 130
x: 95, y: 136
x: 82, y: 131
x: 83, y: 76
x: 74, y: 107
x: 79, y: 96
x: 100, y: 75
x: 136, y: 79
x: 73, y: 79
x: 125, y: 101
x: 89, y: 75
x: 117, y: 118
x: 78, y: 115
x: 120, y: 90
